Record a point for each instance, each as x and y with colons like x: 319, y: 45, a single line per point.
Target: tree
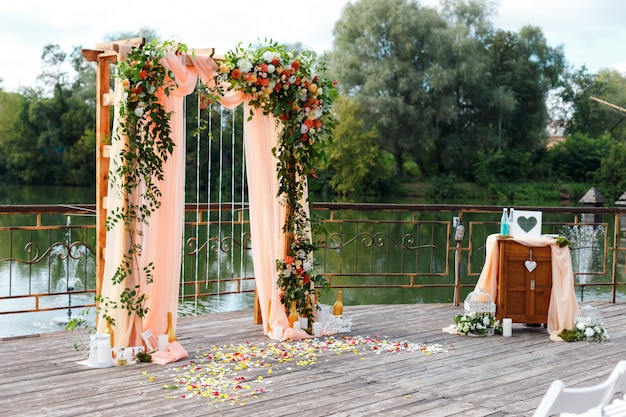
x: 590, y: 117
x: 612, y: 175
x: 383, y: 54
x: 579, y: 157
x: 354, y: 160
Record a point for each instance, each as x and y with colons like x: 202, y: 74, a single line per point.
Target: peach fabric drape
x: 162, y: 240
x: 563, y: 306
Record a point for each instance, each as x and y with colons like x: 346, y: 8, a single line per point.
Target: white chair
x: 588, y: 401
x: 617, y: 407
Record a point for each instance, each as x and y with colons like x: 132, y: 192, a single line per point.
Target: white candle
x: 507, y: 330
x: 317, y: 329
x: 296, y: 325
x: 304, y: 322
x: 278, y: 332
x: 163, y: 341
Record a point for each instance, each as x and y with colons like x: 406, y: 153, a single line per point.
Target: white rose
x: 268, y: 56
x: 486, y: 320
x: 307, y: 266
x: 244, y: 65
x: 580, y: 325
x: 271, y: 68
x: 589, y: 332
x: 304, y: 128
x: 139, y: 111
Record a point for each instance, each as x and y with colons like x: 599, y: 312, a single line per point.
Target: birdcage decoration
x: 479, y: 301
x: 588, y: 316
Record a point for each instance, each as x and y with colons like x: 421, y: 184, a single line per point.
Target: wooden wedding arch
x: 270, y: 138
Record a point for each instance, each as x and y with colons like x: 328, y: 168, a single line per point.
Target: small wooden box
x: 524, y: 295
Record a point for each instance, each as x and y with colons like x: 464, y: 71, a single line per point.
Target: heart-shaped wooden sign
x: 527, y: 223
x: 530, y: 265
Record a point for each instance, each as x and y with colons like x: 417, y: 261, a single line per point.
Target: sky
x: 592, y: 32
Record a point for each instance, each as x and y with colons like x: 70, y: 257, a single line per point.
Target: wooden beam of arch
x: 610, y: 105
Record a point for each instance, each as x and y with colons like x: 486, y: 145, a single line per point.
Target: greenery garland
x: 286, y: 85
x: 146, y: 135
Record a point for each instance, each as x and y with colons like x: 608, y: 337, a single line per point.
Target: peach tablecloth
x: 563, y: 306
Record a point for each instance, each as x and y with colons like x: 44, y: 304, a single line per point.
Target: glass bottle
x: 510, y: 219
x: 293, y: 314
x: 171, y: 334
x: 338, y: 307
x: 109, y: 330
x: 504, y: 223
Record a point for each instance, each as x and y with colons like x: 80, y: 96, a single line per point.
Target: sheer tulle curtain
x: 162, y: 240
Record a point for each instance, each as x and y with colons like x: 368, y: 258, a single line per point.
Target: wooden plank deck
x: 492, y: 376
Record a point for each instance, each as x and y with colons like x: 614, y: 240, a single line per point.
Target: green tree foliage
x: 580, y: 157
x: 355, y: 162
x: 49, y: 128
x: 591, y: 117
x: 384, y: 52
x: 612, y: 175
x: 445, y: 88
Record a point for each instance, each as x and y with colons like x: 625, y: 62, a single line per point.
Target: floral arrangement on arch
x: 287, y: 85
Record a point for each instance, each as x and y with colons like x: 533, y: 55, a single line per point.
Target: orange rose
x: 236, y: 74
x: 250, y: 77
x: 295, y: 65
x: 304, y: 138
x: 143, y: 74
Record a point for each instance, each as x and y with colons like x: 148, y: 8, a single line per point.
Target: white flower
x: 271, y: 68
x: 580, y: 325
x: 304, y: 128
x: 139, y: 111
x: 486, y: 320
x: 306, y: 266
x: 268, y: 56
x: 244, y: 65
x: 589, y: 332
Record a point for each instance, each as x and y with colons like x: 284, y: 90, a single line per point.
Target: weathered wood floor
x: 493, y: 376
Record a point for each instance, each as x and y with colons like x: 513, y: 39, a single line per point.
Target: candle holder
x: 100, y: 354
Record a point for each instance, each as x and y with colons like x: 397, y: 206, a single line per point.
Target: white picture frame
x: 526, y: 223
x: 149, y: 340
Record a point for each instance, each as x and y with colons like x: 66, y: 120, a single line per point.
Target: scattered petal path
x: 237, y: 373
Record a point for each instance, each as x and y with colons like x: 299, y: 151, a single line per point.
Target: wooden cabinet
x: 524, y: 283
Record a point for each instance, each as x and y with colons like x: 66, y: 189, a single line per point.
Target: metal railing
x: 376, y: 253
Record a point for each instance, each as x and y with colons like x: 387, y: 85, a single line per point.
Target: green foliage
x: 579, y: 156
x: 354, y: 160
x: 444, y: 188
x: 612, y: 174
x: 589, y: 116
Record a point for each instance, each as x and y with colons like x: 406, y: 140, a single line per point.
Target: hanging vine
x: 145, y: 132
